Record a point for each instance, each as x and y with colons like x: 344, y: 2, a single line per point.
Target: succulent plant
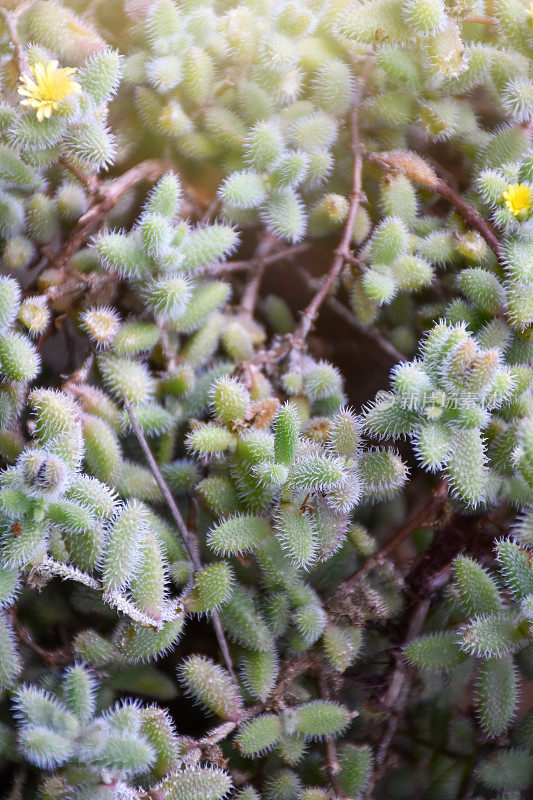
x: 196, y: 499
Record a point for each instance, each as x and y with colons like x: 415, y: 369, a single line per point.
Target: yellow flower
x: 50, y: 86
x: 518, y: 199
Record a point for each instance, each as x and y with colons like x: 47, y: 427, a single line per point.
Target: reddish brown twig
x: 396, y: 696
x: 342, y: 253
x: 397, y: 691
x: 11, y: 22
x: 468, y: 213
x: 211, y: 211
x: 188, y: 539
x: 332, y: 761
x: 107, y: 196
x: 429, y: 512
x: 471, y: 216
x: 296, y: 340
x: 90, y: 182
x: 17, y: 787
x: 252, y: 263
x: 292, y: 668
x: 480, y: 20
x: 367, y: 331
x: 251, y: 290
x: 51, y: 657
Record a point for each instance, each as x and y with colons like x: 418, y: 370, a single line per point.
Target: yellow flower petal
x: 518, y: 199
x: 39, y: 73
x: 52, y: 67
x: 49, y: 86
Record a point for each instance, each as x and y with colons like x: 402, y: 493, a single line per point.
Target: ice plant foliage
x: 206, y: 209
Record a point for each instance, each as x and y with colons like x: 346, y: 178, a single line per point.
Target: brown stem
x: 332, y: 761
x: 210, y: 211
x: 108, y: 195
x: 468, y: 213
x: 471, y: 216
x: 11, y: 22
x: 149, y: 170
x: 429, y: 511
x: 291, y: 669
x: 81, y: 284
x: 222, y: 643
x: 396, y: 695
x: 355, y: 262
x: 251, y: 290
x: 252, y: 263
x: 89, y: 182
x: 188, y: 538
x: 367, y: 331
x: 342, y: 252
x: 52, y: 657
x: 481, y: 20
x: 17, y: 788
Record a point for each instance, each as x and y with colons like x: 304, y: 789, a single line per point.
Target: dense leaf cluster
x: 195, y: 465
